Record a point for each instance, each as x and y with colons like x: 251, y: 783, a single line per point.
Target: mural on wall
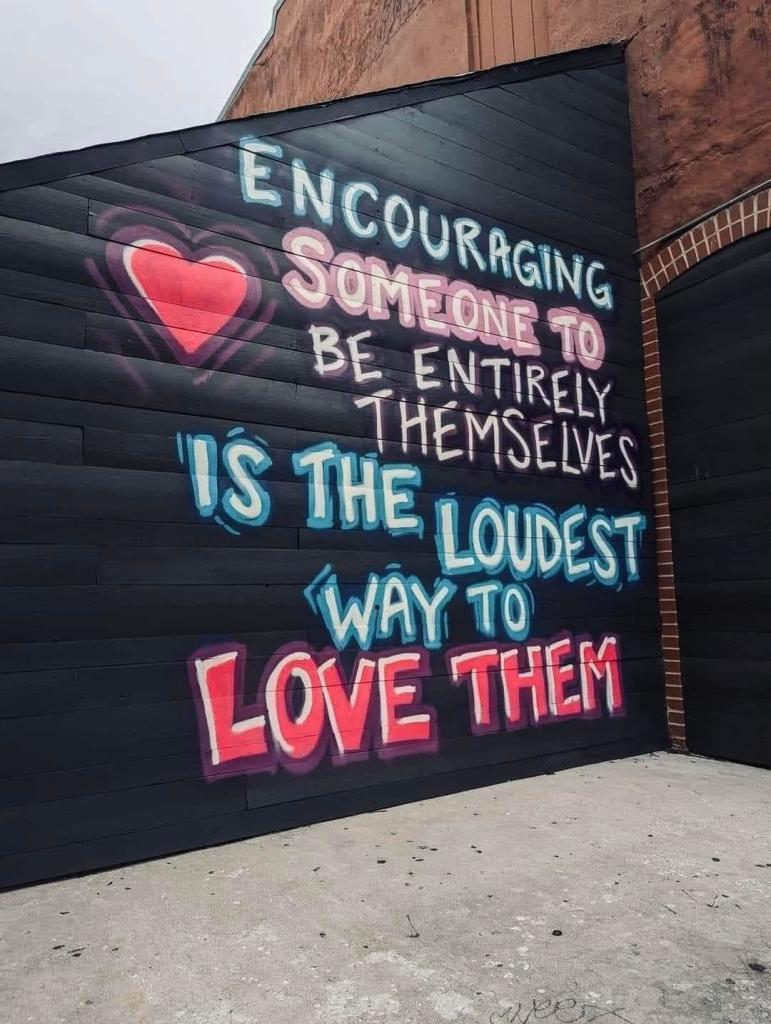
x: 475, y: 370
x: 204, y: 307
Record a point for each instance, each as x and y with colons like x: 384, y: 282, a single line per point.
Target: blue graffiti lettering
x: 389, y: 604
x: 536, y: 541
x: 224, y: 483
x: 357, y: 492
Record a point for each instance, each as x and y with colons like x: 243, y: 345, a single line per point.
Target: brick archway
x: 740, y: 220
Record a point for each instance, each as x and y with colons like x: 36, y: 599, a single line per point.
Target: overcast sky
x: 78, y: 72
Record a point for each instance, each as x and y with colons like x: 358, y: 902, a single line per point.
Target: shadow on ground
x: 636, y: 890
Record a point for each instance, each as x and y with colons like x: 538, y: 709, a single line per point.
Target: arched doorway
x: 714, y: 345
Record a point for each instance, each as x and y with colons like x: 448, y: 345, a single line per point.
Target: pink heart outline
x: 236, y: 326
x: 188, y: 339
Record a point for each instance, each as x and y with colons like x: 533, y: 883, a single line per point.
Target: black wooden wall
x: 716, y: 357
x: 112, y: 581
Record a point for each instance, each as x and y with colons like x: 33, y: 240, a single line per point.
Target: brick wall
x: 700, y: 75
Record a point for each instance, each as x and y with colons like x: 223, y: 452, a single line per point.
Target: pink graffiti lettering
x: 582, y: 337
x: 367, y: 286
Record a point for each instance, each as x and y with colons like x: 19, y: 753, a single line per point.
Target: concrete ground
x: 636, y: 890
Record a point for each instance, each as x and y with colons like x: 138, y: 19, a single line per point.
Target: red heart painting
x: 193, y: 299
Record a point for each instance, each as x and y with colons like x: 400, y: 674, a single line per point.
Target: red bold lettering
x: 478, y: 666
x: 219, y: 677
x: 602, y: 665
x: 515, y: 680
x: 348, y: 710
x: 559, y: 676
x: 297, y: 735
x: 398, y: 729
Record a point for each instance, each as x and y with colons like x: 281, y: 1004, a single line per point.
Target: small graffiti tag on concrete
x: 565, y: 1010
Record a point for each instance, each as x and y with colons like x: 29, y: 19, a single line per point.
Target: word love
x: 307, y: 708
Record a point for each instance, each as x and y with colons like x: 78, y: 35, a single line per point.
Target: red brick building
x: 699, y: 75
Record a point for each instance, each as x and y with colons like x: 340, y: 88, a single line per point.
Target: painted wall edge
x: 54, y: 166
